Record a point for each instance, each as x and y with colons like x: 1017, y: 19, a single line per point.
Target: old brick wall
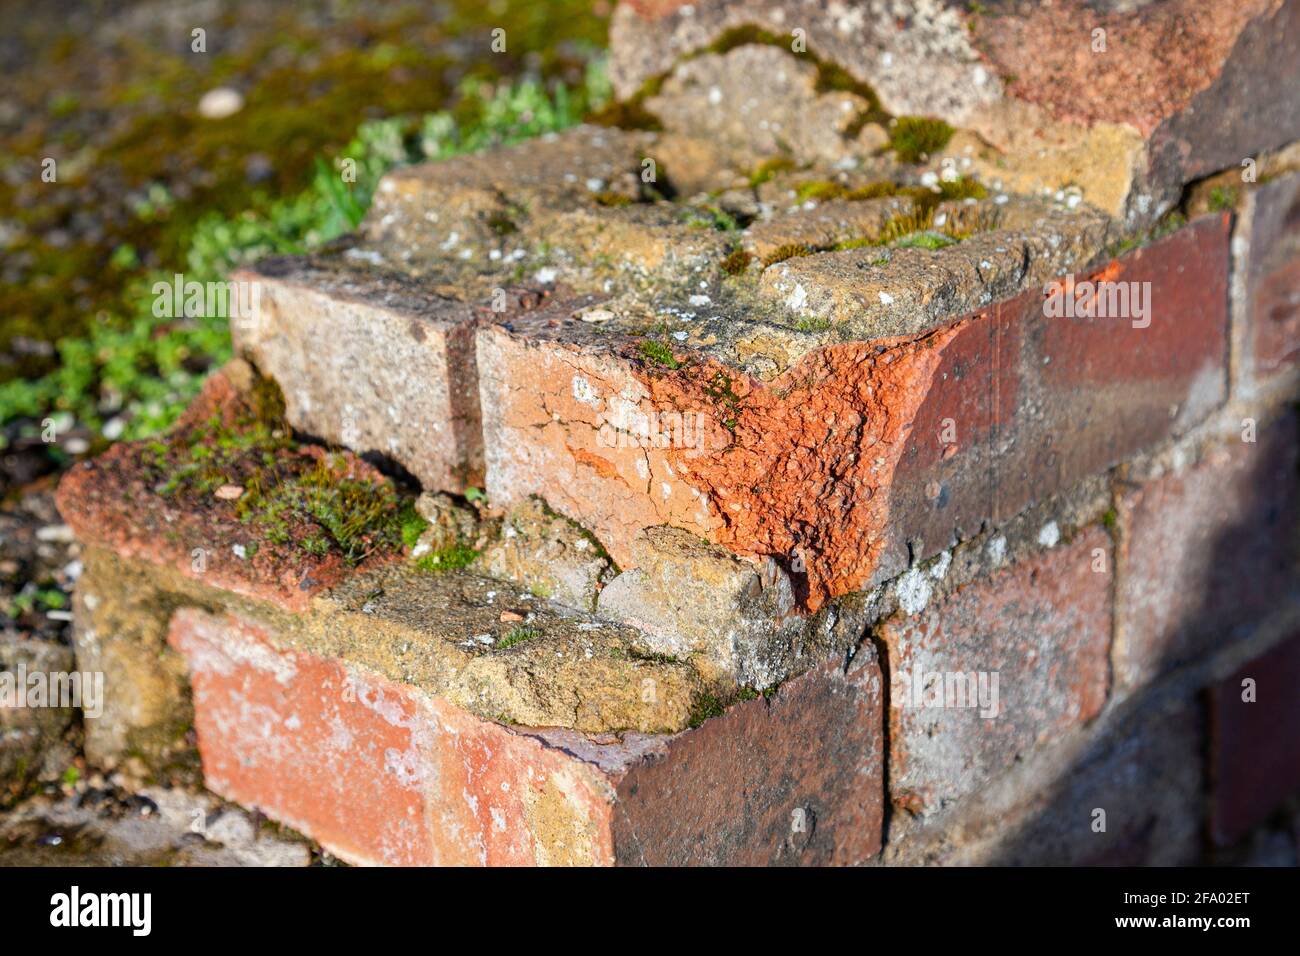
x: 848, y: 502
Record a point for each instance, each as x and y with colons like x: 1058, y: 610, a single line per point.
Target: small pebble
x: 220, y: 103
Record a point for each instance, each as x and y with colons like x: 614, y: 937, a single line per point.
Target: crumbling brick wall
x: 880, y: 448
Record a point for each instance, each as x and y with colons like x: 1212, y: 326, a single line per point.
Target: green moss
x: 813, y: 323
x: 878, y: 190
x: 960, y: 189
x: 313, y: 502
x: 925, y: 240
x: 517, y: 635
x: 709, y: 217
x: 1223, y: 198
x: 627, y: 114
x: 765, y: 170
x: 613, y: 199
x: 913, y: 138
x: 707, y: 705
x: 791, y: 250
x: 659, y: 353
x: 448, y: 559
x: 412, y: 523
x: 1110, y: 519
x: 819, y: 189
x: 736, y: 262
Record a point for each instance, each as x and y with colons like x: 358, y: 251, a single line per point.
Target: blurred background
x: 190, y: 137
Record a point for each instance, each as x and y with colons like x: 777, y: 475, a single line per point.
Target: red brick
x: 1204, y: 551
x: 793, y: 779
x: 381, y: 773
x: 839, y: 458
x: 114, y: 503
x: 1041, y: 628
x: 1254, y: 745
x: 1273, y: 275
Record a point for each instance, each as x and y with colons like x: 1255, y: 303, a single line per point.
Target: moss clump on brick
x: 765, y: 170
x: 301, y: 496
x: 878, y: 190
x: 913, y: 138
x: 354, y: 516
x: 959, y: 189
x: 612, y: 199
x: 659, y: 353
x: 710, y: 217
x: 813, y: 323
x: 819, y: 189
x: 791, y: 250
x: 448, y: 559
x: 707, y: 705
x: 517, y: 635
x: 627, y: 114
x: 736, y: 262
x: 1223, y: 198
x: 925, y: 240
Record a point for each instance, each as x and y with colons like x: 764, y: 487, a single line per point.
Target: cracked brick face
x: 841, y: 467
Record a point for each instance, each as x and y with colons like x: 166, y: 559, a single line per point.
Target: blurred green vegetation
x: 143, y: 370
x: 167, y: 191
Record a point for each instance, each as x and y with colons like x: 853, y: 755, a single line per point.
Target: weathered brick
x: 1175, y: 91
x: 794, y: 779
x: 1205, y: 550
x: 843, y: 459
x: 381, y: 773
x: 1039, y: 629
x: 370, y: 360
x: 1254, y: 741
x: 375, y: 771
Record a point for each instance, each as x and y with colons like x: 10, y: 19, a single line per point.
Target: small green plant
x: 517, y: 635
x: 913, y: 138
x: 448, y: 559
x: 412, y: 523
x: 813, y: 323
x: 1223, y: 198
x: 659, y: 353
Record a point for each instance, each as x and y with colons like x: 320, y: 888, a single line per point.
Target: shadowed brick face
x: 1273, y: 305
x: 1041, y: 627
x: 796, y: 779
x: 1204, y: 550
x: 1255, y: 743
